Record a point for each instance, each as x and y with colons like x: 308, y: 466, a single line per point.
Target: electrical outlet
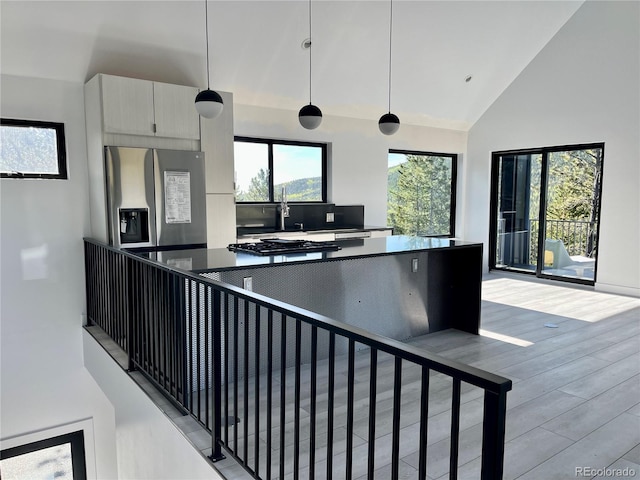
x: 330, y: 217
x: 414, y: 265
x: 247, y: 283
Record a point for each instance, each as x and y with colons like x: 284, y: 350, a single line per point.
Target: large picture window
x: 32, y: 149
x: 421, y: 193
x: 263, y: 167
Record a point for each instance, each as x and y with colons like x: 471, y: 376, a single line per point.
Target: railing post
x: 131, y: 319
x: 493, y: 428
x: 216, y: 365
x: 186, y: 342
x: 89, y: 281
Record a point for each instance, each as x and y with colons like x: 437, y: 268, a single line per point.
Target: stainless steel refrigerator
x: 155, y: 198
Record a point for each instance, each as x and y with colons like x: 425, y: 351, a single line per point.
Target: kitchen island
x: 397, y: 286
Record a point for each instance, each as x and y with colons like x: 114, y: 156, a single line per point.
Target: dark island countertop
x: 220, y: 259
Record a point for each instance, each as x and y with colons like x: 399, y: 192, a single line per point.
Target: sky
x: 396, y: 159
x: 291, y: 162
x: 294, y: 161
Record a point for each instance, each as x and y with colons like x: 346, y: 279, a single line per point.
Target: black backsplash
x: 256, y: 216
x: 259, y: 218
x: 349, y: 216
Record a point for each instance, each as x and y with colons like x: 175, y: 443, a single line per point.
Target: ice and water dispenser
x: 134, y: 225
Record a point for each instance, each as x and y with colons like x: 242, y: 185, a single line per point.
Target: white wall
x: 358, y: 158
x: 583, y: 87
x: 43, y: 383
x: 43, y: 380
x: 149, y: 444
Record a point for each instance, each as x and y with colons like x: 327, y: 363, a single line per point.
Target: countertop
x: 218, y: 259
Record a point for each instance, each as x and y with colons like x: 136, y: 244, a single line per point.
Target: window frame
x: 74, y: 439
x: 60, y: 145
x: 454, y: 184
x: 270, y: 144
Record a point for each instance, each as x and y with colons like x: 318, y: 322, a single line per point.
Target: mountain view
x: 301, y: 190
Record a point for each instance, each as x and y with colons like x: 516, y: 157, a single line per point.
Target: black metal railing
x: 578, y: 236
x: 238, y: 362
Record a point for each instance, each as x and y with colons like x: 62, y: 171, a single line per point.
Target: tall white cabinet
x: 130, y: 112
x: 217, y: 143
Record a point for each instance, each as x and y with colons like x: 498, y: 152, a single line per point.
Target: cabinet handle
x: 153, y: 127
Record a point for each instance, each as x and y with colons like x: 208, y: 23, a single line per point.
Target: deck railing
x: 205, y: 344
x: 578, y: 236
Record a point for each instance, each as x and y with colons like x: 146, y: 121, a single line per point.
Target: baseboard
x: 617, y: 289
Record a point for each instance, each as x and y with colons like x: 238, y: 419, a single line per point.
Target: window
x: 421, y: 193
x: 545, y: 211
x: 62, y: 456
x: 264, y: 167
x: 31, y: 149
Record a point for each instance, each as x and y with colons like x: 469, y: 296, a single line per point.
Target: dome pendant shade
x: 310, y: 116
x: 389, y: 123
x: 209, y: 103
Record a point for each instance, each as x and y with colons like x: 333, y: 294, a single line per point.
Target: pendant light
x: 389, y: 123
x: 208, y: 102
x: 310, y: 116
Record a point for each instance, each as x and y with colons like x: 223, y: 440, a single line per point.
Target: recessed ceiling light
x: 306, y: 44
x: 468, y: 78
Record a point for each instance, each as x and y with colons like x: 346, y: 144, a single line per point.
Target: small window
x: 32, y: 149
x: 421, y: 193
x: 57, y: 457
x: 263, y: 167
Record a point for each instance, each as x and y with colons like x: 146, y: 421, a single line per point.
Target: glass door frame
x: 495, y: 201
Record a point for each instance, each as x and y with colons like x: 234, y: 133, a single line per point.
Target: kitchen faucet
x: 284, y: 208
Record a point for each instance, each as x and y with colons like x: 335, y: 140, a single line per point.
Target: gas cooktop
x: 276, y: 246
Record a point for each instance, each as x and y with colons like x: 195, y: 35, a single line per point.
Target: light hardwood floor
x: 573, y: 356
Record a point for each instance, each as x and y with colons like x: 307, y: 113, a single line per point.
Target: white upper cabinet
x: 175, y: 111
x: 127, y: 105
x: 140, y: 107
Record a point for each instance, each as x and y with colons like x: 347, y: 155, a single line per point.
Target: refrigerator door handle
x: 149, y: 166
x: 158, y: 190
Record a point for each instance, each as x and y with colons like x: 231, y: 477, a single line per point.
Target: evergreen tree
x: 420, y: 196
x: 573, y: 194
x: 258, y: 189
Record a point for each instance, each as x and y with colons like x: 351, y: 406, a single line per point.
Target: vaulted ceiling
x: 256, y: 49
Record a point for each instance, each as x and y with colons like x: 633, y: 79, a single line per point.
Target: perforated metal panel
x: 379, y: 294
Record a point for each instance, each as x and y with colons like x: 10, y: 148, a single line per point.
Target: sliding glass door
x: 518, y: 196
x: 572, y: 213
x: 545, y: 211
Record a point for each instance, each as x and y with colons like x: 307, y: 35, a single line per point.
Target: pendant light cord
x: 310, y: 45
x: 390, y: 31
x: 206, y: 29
